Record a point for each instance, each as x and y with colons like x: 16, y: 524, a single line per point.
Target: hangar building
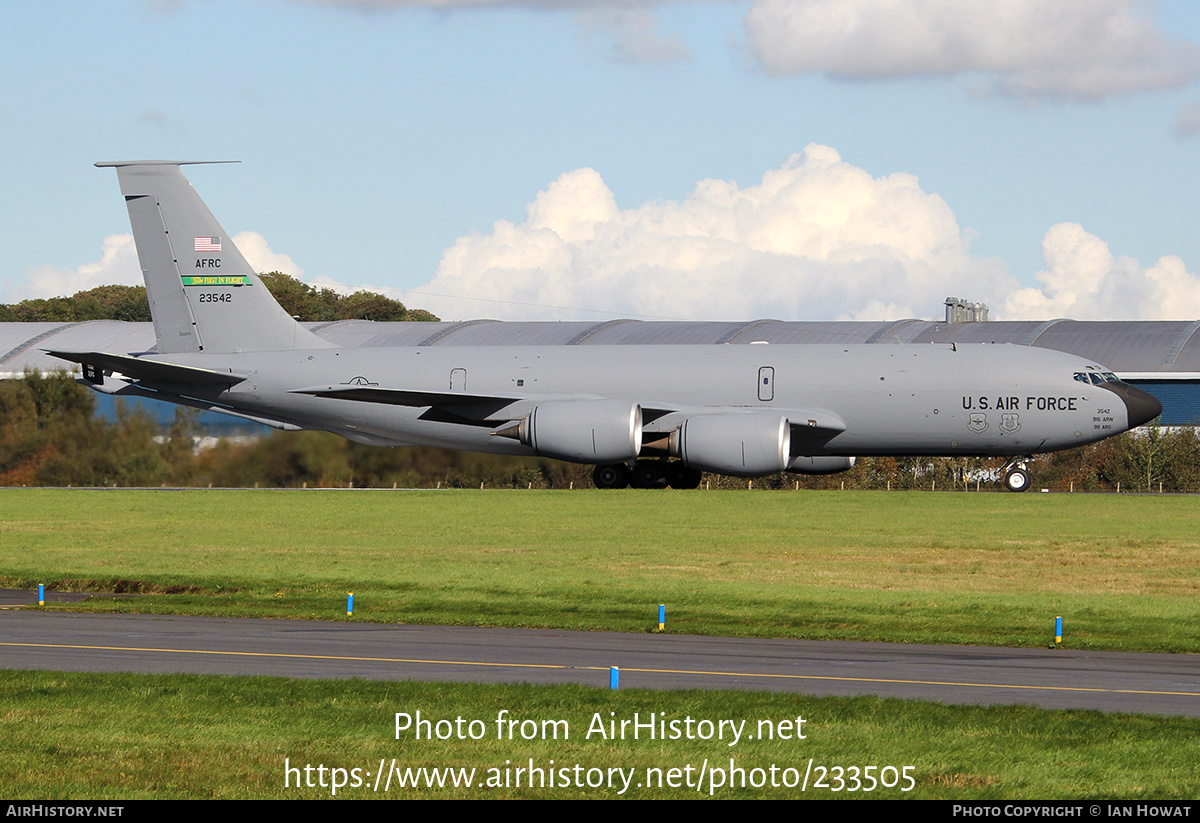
x: 1160, y: 356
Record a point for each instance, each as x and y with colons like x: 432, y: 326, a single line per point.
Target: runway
x: 1162, y: 684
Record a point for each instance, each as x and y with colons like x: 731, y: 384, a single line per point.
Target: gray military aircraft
x: 647, y: 416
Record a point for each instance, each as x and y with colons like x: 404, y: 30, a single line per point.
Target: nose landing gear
x: 1016, y: 477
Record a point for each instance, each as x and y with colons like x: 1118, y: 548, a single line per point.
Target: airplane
x: 648, y: 416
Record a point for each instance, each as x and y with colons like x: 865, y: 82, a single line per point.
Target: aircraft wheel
x: 648, y: 474
x: 612, y: 476
x: 1017, y: 480
x: 680, y: 476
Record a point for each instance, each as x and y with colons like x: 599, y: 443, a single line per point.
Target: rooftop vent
x: 960, y: 311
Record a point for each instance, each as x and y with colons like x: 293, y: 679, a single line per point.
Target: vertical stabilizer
x: 204, y: 297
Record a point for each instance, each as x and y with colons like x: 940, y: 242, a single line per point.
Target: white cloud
x: 118, y: 265
x: 549, y: 5
x: 630, y: 27
x: 1030, y: 50
x: 1187, y: 120
x: 1025, y: 49
x: 633, y: 33
x: 153, y: 117
x: 257, y: 251
x: 1084, y: 281
x: 817, y: 238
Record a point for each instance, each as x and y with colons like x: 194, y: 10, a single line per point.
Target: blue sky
x: 547, y: 156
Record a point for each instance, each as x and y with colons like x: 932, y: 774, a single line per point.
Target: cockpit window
x: 1096, y: 378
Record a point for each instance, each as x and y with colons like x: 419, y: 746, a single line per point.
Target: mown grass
x: 947, y: 568
x: 76, y: 736
x: 991, y: 569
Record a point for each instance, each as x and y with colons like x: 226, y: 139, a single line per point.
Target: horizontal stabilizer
x: 123, y: 388
x: 140, y: 368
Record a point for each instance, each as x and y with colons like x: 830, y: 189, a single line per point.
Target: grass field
x: 945, y: 568
x: 992, y: 569
x: 74, y: 736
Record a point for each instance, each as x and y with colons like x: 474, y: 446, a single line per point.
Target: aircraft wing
x: 444, y: 407
x: 141, y: 368
x: 812, y: 428
x: 818, y: 422
x: 125, y: 388
x: 448, y: 400
x: 410, y: 397
x: 809, y: 426
x: 806, y: 424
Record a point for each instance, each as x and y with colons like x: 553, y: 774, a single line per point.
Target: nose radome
x: 1141, y: 407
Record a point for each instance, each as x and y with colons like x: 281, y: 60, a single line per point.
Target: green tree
x: 1151, y: 457
x: 57, y: 310
x: 365, y: 305
x: 306, y: 303
x: 101, y: 303
x: 1137, y: 460
x: 127, y: 303
x: 297, y: 298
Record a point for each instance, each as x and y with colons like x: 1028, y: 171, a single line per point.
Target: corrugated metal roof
x: 21, y: 344
x: 1133, y: 346
x: 998, y: 332
x: 1140, y: 345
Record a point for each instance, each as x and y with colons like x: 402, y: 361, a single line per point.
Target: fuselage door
x: 766, y: 384
x: 458, y: 380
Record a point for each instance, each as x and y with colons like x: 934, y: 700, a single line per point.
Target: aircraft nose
x: 1141, y: 407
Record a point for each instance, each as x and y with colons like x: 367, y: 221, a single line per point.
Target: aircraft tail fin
x: 204, y: 297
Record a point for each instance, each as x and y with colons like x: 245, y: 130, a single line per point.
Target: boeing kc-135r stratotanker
x: 647, y: 416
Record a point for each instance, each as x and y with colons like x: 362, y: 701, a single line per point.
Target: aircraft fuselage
x: 223, y: 343
x: 892, y: 399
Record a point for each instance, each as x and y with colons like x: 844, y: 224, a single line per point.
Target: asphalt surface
x: 1051, y: 678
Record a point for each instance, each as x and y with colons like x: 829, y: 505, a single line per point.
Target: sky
x: 692, y: 159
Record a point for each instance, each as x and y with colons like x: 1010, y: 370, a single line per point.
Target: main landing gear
x: 646, y: 474
x: 1016, y: 477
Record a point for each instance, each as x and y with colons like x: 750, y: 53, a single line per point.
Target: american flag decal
x: 208, y: 244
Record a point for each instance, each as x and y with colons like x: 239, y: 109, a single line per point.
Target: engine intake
x: 582, y: 431
x: 743, y: 445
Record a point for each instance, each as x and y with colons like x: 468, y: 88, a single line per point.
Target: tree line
x: 50, y: 435
x: 129, y: 303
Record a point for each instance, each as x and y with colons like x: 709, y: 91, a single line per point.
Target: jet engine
x: 582, y: 431
x: 820, y: 465
x: 743, y: 445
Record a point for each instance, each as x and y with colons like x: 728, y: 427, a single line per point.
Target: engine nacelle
x: 820, y: 465
x: 743, y: 445
x: 584, y: 431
